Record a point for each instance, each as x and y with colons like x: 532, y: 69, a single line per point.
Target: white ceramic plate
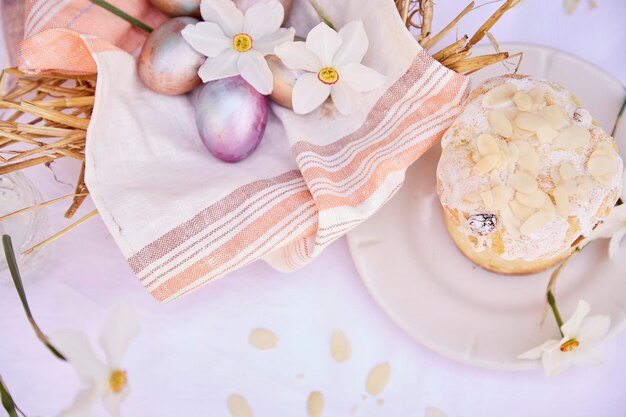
x: 417, y: 275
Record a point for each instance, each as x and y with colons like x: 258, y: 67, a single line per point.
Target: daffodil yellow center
x: 570, y: 345
x: 117, y: 380
x: 242, y: 42
x: 328, y: 75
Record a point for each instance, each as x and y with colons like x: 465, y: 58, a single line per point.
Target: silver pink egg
x: 244, y: 5
x: 178, y: 7
x: 167, y: 63
x: 231, y: 117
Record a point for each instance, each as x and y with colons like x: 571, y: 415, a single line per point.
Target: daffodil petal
x: 324, y: 43
x: 225, y: 14
x: 361, y: 78
x: 309, y: 93
x: 206, y: 38
x: 537, y: 352
x: 345, y: 98
x: 263, y: 18
x: 254, y: 69
x: 592, y: 356
x: 593, y: 329
x: 74, y: 346
x: 623, y: 196
x: 266, y: 44
x: 607, y: 229
x: 117, y: 333
x: 222, y: 66
x: 556, y: 362
x: 296, y: 56
x: 615, y: 242
x: 112, y: 401
x: 82, y: 404
x: 354, y: 44
x: 571, y: 327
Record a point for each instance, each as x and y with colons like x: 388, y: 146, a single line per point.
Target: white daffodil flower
x: 236, y: 44
x: 580, y: 344
x: 105, y: 380
x: 614, y: 226
x: 332, y: 65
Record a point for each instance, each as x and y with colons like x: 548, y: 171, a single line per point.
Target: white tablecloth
x: 193, y: 353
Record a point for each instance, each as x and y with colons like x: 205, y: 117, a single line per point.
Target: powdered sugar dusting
x: 458, y: 178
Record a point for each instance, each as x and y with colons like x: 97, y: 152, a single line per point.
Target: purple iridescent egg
x: 231, y: 117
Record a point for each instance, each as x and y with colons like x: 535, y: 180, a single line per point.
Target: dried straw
x: 48, y: 116
x: 49, y: 113
x: 455, y: 56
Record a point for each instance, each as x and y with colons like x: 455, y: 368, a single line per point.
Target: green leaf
x: 7, y: 401
x: 19, y: 286
x: 120, y: 13
x: 322, y: 15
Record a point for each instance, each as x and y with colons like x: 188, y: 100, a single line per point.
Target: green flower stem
x: 19, y: 286
x: 7, y: 400
x: 555, y: 311
x: 321, y: 14
x: 552, y: 284
x: 135, y: 22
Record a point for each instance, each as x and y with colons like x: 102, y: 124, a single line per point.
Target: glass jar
x: 26, y: 229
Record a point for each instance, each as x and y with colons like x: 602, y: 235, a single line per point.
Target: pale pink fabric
x: 61, y: 35
x: 181, y: 217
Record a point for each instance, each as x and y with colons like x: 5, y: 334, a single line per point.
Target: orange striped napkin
x: 183, y: 218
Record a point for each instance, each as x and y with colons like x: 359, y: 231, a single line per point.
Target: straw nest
x: 46, y: 116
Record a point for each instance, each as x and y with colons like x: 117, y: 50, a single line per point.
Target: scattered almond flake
x: 238, y: 406
x: 501, y: 196
x: 592, y: 4
x: 500, y: 124
x: 434, y: 412
x: 529, y: 121
x: 600, y: 165
x: 523, y: 101
x: 487, y: 144
x: 570, y: 6
x: 263, y: 339
x: 572, y: 138
x: 533, y: 200
x: 561, y: 199
x: 378, y: 378
x: 486, y: 164
x: 354, y: 409
x: 556, y: 116
x: 523, y: 182
x: 538, y: 98
x: 530, y: 161
x: 473, y: 197
x: 567, y: 171
x: 547, y: 133
x: 300, y: 376
x: 520, y: 211
x: 381, y: 402
x: 499, y: 95
x: 535, y: 222
x: 340, y: 347
x: 315, y: 404
x: 487, y: 197
x: 570, y: 186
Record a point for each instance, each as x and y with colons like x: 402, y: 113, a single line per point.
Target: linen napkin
x: 183, y: 218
